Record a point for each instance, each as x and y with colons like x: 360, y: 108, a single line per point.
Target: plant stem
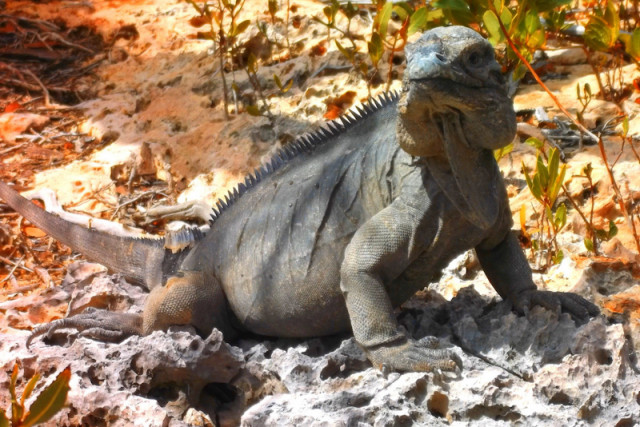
x: 603, y: 154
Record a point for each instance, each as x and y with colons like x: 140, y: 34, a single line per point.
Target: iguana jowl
x: 346, y: 223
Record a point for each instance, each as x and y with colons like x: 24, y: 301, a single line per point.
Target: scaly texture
x: 347, y: 223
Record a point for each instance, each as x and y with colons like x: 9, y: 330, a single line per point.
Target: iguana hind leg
x: 188, y: 298
x: 94, y: 323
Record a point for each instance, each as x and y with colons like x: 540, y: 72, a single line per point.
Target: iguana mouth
x: 447, y: 94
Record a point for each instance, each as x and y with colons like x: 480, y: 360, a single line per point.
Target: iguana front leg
x: 509, y: 273
x: 380, y: 251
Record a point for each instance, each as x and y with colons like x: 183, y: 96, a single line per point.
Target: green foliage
x: 503, y: 151
x: 545, y: 185
x: 632, y: 43
x: 603, y: 28
x: 50, y: 400
x: 584, y: 97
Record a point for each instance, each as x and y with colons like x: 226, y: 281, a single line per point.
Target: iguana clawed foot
x: 414, y: 355
x: 95, y: 323
x: 579, y: 308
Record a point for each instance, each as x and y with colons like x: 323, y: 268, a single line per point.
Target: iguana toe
x: 94, y: 323
x: 417, y: 356
x: 579, y: 308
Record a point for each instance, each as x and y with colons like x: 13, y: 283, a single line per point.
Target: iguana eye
x: 474, y: 59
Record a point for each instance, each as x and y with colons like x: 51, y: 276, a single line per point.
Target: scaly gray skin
x: 347, y: 223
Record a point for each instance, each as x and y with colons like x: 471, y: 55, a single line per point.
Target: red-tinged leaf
x: 50, y: 400
x: 198, y: 21
x: 636, y: 84
x: 319, y: 49
x: 337, y: 106
x: 333, y: 112
x: 30, y: 231
x: 8, y: 27
x: 15, y: 105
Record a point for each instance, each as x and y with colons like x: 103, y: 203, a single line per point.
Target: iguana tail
x: 140, y: 259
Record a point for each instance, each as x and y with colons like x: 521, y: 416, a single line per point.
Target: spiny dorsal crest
x: 304, y: 143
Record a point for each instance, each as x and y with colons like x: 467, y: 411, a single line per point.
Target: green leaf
x: 382, y: 19
x: 537, y: 39
x: 418, y: 20
x: 531, y: 21
x: 17, y: 410
x: 530, y: 183
x: 50, y: 400
x: 364, y: 69
x: 545, y: 5
x: 28, y: 389
x: 273, y: 7
x: 542, y: 172
x: 492, y: 25
x: 328, y: 12
x: 633, y: 45
x: 537, y: 188
x: 252, y: 63
x: 4, y: 421
x: 625, y: 126
x: 502, y: 151
x: 240, y: 28
x: 277, y: 80
x: 519, y: 72
x: 457, y: 5
x: 560, y: 217
x: 588, y: 243
x: 349, y: 10
x: 283, y: 88
x: 253, y: 110
x: 534, y: 142
x: 612, y: 18
x: 346, y: 53
x: 557, y: 185
x: 613, y: 230
x: 598, y: 35
x: 554, y: 164
x: 375, y: 48
x: 558, y: 257
x: 401, y: 12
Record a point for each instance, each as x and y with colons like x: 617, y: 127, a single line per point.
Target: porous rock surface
x: 536, y: 369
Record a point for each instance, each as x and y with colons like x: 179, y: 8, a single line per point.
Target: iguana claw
x: 414, y: 355
x: 579, y: 308
x: 94, y: 323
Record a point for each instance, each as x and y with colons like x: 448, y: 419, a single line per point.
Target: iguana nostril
x: 440, y: 57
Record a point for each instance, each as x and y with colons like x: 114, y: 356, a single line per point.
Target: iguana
x: 344, y: 224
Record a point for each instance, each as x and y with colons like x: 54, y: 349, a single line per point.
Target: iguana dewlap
x: 346, y: 223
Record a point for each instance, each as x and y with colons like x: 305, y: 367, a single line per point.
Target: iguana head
x: 453, y: 111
